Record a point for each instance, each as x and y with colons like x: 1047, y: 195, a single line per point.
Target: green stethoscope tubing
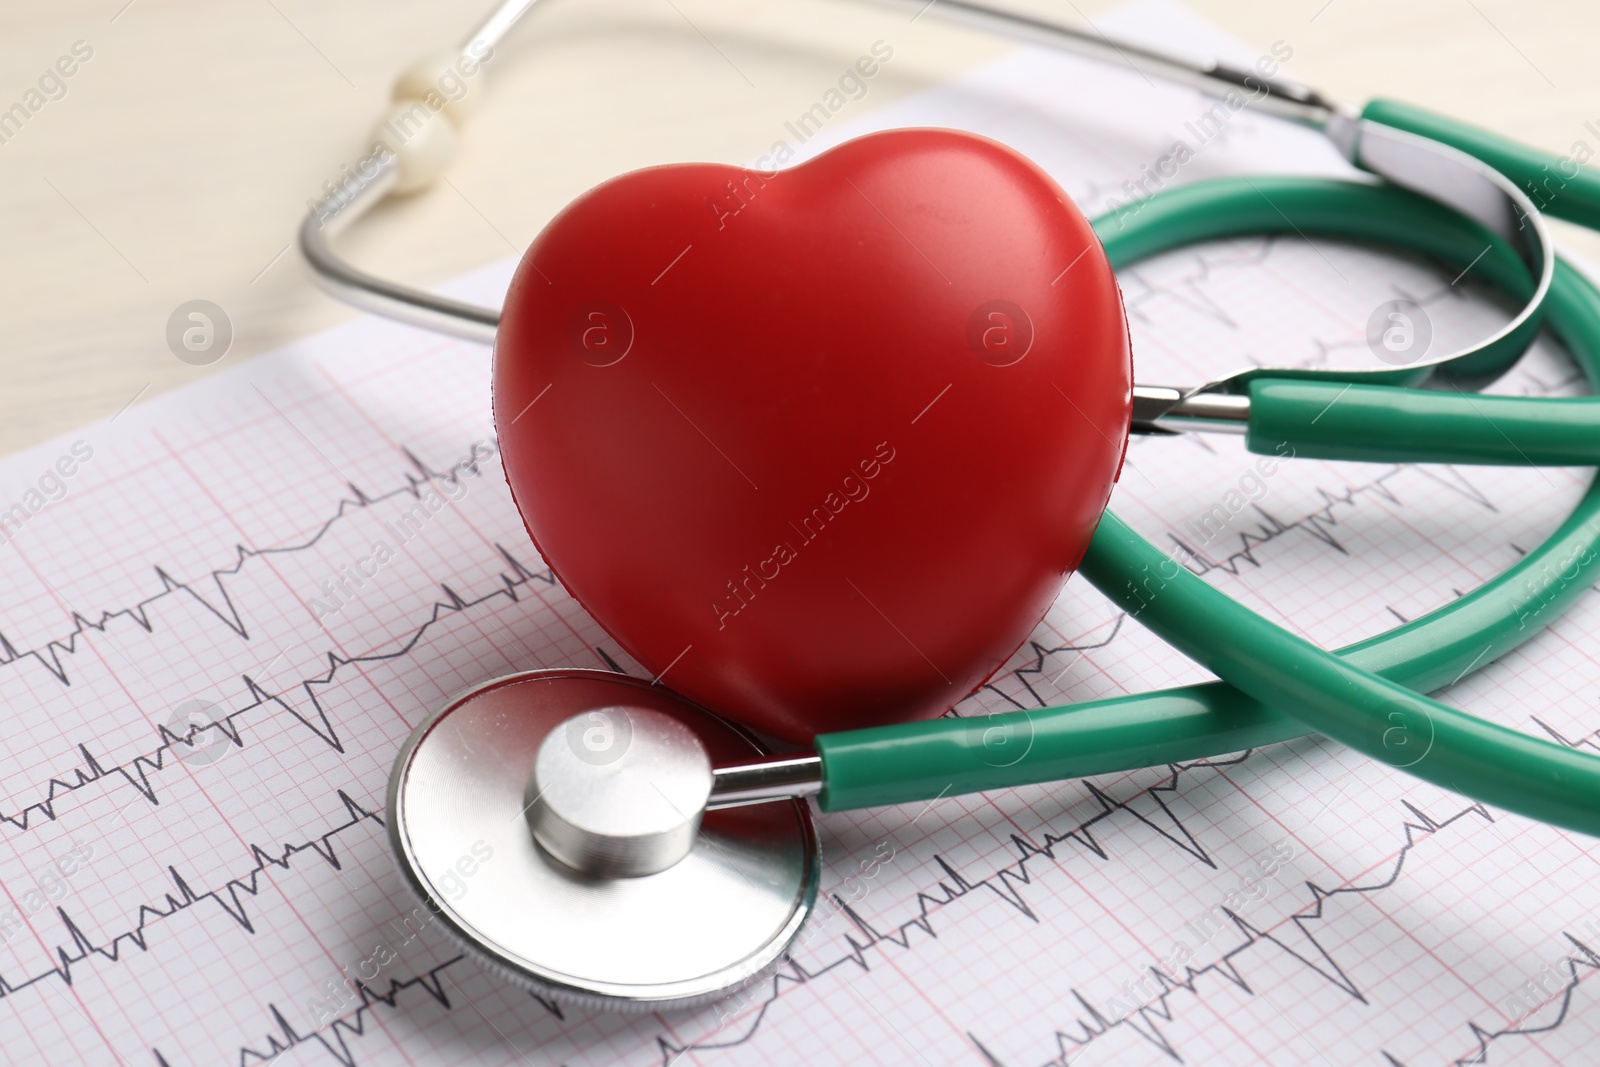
x: 1277, y: 686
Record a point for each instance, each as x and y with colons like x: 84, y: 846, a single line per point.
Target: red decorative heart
x: 817, y: 447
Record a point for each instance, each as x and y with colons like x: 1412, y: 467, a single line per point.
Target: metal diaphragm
x: 716, y: 920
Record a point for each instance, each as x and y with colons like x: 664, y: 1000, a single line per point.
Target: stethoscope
x: 599, y: 838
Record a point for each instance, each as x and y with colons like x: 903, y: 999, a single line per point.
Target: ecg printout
x: 199, y: 733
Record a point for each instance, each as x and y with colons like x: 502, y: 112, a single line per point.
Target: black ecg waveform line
x: 1006, y: 884
x: 1582, y: 956
x: 137, y: 771
x: 1145, y: 1020
x: 49, y: 655
x: 334, y: 1036
x: 1188, y: 292
x: 1319, y: 523
x: 230, y: 897
x: 1026, y: 674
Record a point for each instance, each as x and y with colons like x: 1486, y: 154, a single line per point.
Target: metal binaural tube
x: 362, y: 192
x: 497, y: 24
x: 1280, y: 96
x: 1162, y: 409
x: 785, y: 778
x: 476, y: 323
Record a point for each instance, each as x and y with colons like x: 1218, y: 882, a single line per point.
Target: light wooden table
x: 181, y: 157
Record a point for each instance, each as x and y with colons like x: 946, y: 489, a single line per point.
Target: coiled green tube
x: 919, y: 761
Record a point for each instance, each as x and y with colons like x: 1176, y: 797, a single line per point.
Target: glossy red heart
x: 819, y: 447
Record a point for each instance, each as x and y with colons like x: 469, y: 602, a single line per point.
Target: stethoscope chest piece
x: 465, y: 808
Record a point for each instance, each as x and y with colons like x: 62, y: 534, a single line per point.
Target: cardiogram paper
x: 203, y: 704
